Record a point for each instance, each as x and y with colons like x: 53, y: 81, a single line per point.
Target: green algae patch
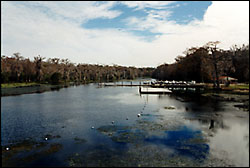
x: 169, y: 107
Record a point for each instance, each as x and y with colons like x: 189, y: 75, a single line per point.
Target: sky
x: 127, y: 33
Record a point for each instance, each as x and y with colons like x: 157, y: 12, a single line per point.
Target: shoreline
x: 29, y: 89
x: 14, y: 89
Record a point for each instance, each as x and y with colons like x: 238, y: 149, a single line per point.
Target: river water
x: 88, y: 125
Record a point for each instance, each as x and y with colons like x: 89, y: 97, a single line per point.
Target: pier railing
x: 197, y: 85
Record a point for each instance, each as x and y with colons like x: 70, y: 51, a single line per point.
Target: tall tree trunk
x: 216, y: 71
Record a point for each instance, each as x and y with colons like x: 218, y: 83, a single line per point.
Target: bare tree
x: 38, y: 62
x: 215, y: 57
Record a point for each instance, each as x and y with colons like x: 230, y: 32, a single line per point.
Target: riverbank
x: 242, y: 99
x: 240, y: 88
x: 238, y: 93
x: 14, y: 89
x: 16, y: 85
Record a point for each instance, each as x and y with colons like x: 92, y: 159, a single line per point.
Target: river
x: 88, y: 125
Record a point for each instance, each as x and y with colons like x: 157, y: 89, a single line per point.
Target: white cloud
x: 144, y: 4
x: 72, y: 11
x: 160, y: 14
x: 31, y: 32
x: 227, y: 22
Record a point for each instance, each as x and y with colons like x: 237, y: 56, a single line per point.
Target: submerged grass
x: 28, y: 151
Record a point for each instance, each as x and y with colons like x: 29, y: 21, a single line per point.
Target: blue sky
x: 181, y: 12
x: 130, y: 33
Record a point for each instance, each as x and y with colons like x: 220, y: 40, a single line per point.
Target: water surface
x: 88, y: 125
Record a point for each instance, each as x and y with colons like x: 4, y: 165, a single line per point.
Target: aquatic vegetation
x: 169, y: 107
x: 49, y: 136
x: 137, y: 155
x: 79, y: 140
x: 244, y: 106
x: 185, y: 141
x: 27, y: 151
x: 152, y: 126
x: 112, y: 128
x: 75, y: 161
x: 17, y: 148
x: 128, y: 136
x: 152, y: 115
x: 97, y: 156
x: 122, y: 134
x: 34, y: 156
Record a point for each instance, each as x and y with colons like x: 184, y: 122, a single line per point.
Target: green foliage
x: 55, y: 78
x: 202, y: 66
x: 5, y: 77
x: 18, y: 69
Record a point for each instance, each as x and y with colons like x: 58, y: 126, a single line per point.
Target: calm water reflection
x: 195, y: 129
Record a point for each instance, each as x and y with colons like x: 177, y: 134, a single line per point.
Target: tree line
x: 16, y: 68
x: 207, y: 64
x: 202, y: 64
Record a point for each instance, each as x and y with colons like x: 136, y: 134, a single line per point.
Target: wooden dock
x: 156, y: 85
x: 198, y: 85
x: 131, y: 85
x: 150, y: 90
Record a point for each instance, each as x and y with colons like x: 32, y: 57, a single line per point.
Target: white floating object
x: 92, y: 127
x: 46, y: 139
x: 138, y: 115
x: 7, y: 148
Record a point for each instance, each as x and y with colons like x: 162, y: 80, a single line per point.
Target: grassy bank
x: 13, y: 85
x: 239, y: 87
x: 236, y: 88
